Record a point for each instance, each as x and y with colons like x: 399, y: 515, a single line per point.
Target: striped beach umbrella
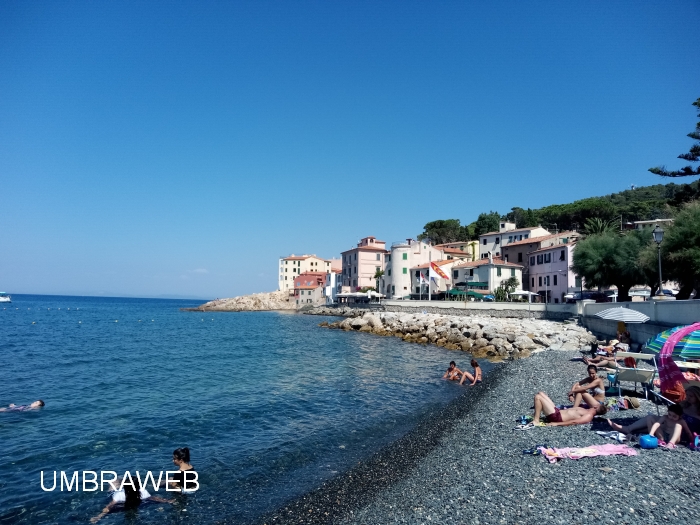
x: 687, y: 348
x: 626, y: 315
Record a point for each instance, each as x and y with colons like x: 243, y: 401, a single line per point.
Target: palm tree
x: 378, y: 275
x: 597, y: 226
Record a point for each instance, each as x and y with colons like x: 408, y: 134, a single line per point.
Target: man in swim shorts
x: 555, y: 417
x: 22, y: 408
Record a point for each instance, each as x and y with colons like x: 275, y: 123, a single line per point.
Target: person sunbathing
x: 555, y: 417
x: 590, y: 390
x: 663, y: 427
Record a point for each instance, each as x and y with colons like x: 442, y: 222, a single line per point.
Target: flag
x: 435, y: 271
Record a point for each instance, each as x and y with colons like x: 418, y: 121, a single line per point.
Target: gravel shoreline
x: 464, y: 464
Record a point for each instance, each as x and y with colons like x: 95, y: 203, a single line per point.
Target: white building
x: 404, y: 256
x: 334, y: 285
x: 294, y: 265
x: 507, y: 233
x: 549, y: 274
x: 485, y: 275
x: 439, y: 285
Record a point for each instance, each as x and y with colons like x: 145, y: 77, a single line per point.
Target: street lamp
x: 658, y: 234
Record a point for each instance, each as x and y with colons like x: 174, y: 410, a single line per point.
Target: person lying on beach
x: 668, y: 428
x: 21, y: 408
x: 555, y: 417
x: 590, y: 390
x: 476, y: 378
x: 453, y: 373
x: 128, y: 498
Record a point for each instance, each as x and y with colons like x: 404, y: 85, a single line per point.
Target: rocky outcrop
x: 482, y: 336
x: 249, y: 303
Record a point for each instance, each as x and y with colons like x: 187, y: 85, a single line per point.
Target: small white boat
x: 4, y: 298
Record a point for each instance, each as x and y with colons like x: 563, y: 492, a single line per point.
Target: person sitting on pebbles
x: 453, y: 373
x: 476, y: 378
x: 590, y: 390
x: 667, y: 429
x: 555, y: 417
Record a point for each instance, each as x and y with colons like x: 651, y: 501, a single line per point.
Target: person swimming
x: 23, y: 408
x: 129, y: 497
x: 186, y: 473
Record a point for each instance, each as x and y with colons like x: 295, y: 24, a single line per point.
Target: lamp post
x: 658, y: 234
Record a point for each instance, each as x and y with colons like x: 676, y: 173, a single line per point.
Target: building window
x: 512, y: 272
x: 526, y: 235
x: 539, y: 280
x: 555, y: 280
x: 388, y: 258
x: 540, y: 259
x: 285, y: 277
x: 520, y: 237
x: 417, y: 274
x: 417, y: 289
x: 471, y: 272
x: 484, y: 242
x: 405, y: 257
x: 547, y: 280
x: 393, y: 290
x: 532, y: 261
x: 388, y: 272
x: 562, y: 255
x: 405, y: 271
x: 455, y: 274
x: 547, y: 257
x: 498, y: 271
x: 379, y: 257
x: 355, y: 256
x: 533, y: 282
x: 498, y: 254
x: 510, y: 238
x: 498, y: 240
x: 520, y: 257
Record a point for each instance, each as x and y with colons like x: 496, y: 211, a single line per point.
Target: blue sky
x: 180, y: 148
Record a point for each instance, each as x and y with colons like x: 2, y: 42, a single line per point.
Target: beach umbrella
x: 687, y: 348
x: 625, y: 315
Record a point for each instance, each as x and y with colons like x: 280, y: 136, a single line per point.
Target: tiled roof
x: 455, y: 251
x: 427, y: 265
x: 532, y: 240
x: 367, y: 248
x: 306, y: 287
x: 552, y: 247
x: 310, y: 274
x: 509, y: 231
x: 482, y: 262
x: 298, y: 257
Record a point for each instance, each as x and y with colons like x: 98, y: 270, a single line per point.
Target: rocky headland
x: 249, y: 303
x: 481, y: 336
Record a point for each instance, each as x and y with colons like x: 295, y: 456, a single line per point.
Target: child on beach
x: 453, y: 373
x: 476, y: 378
x: 669, y: 428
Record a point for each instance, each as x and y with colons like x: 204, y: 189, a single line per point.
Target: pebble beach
x: 465, y: 464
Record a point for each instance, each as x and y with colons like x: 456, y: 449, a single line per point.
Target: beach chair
x: 635, y: 375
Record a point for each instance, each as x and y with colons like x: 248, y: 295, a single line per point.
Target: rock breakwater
x: 482, y: 336
x: 249, y: 303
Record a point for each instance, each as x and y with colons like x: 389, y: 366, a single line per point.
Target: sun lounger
x: 635, y: 375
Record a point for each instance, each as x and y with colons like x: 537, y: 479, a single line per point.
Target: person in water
x: 181, y: 458
x: 453, y: 373
x: 128, y: 497
x: 590, y: 390
x: 554, y: 417
x: 476, y: 378
x: 22, y: 408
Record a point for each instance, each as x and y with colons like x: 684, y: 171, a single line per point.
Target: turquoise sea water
x: 269, y: 404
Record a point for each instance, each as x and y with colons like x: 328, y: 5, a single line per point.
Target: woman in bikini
x: 590, y: 390
x: 476, y: 378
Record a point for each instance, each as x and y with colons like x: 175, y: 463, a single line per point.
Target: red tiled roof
x: 538, y: 239
x: 455, y: 251
x: 427, y: 265
x: 552, y: 247
x: 307, y: 287
x: 508, y: 231
x: 481, y: 262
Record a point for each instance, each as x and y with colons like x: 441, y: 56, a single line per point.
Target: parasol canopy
x: 626, y: 315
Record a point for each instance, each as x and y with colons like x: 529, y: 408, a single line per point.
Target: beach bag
x: 648, y: 442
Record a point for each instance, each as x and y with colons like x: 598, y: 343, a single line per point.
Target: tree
x: 378, y: 275
x: 680, y: 251
x: 609, y: 259
x: 506, y: 287
x: 443, y: 231
x: 487, y: 222
x: 596, y: 226
x: 693, y: 155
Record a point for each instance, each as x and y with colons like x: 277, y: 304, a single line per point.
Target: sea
x: 270, y: 404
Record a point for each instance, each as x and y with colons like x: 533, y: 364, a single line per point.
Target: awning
x: 477, y: 283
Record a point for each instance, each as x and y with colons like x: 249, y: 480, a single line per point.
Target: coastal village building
x: 485, y: 275
x: 664, y: 223
x: 493, y: 242
x: 333, y: 285
x: 436, y: 286
x: 360, y: 264
x: 309, y: 288
x: 405, y: 255
x: 294, y: 265
x: 467, y: 250
x: 550, y: 276
x: 518, y: 252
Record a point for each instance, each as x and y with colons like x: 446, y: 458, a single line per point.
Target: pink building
x: 550, y: 275
x: 309, y: 288
x: 360, y: 264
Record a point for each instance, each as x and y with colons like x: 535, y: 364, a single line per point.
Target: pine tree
x: 693, y: 155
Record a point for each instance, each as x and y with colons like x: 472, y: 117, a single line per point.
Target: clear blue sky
x: 180, y: 148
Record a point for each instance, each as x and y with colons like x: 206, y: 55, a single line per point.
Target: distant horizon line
x: 164, y: 296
